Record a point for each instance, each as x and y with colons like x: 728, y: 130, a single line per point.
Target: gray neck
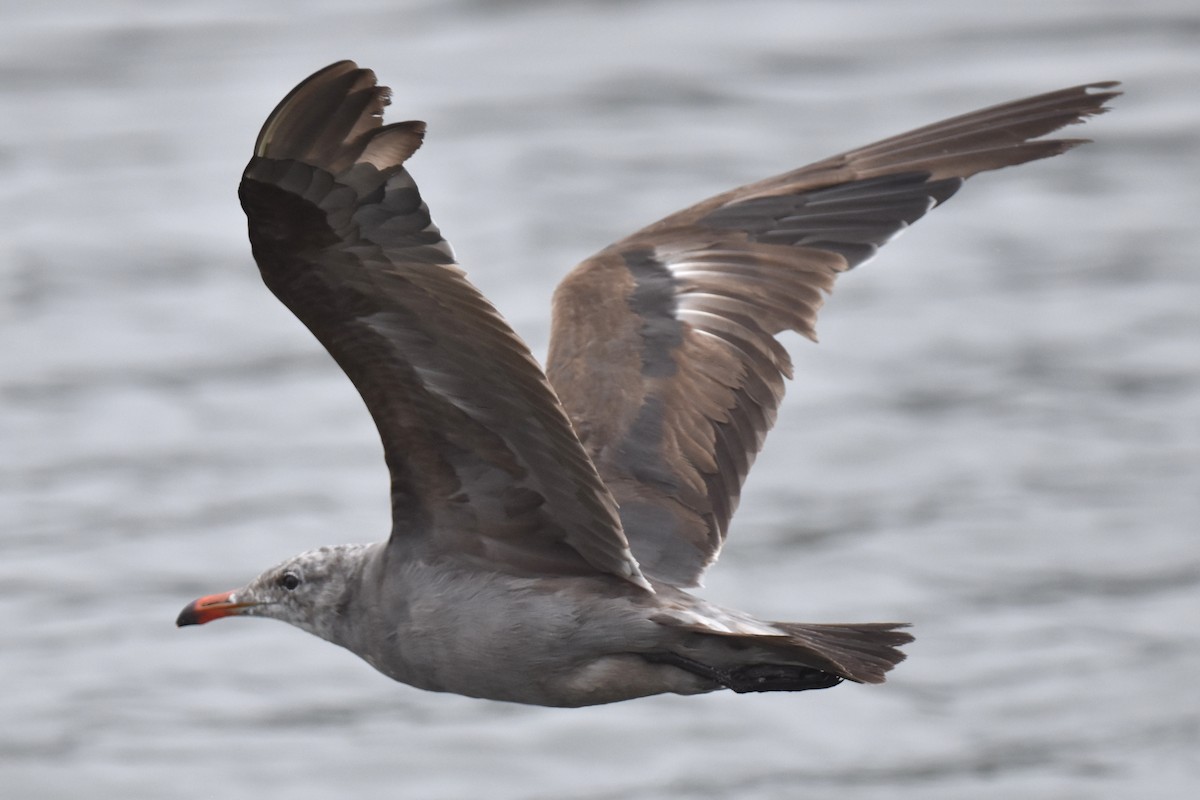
x: 353, y: 603
x: 340, y: 598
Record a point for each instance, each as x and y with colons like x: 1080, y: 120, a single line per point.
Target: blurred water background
x: 998, y: 438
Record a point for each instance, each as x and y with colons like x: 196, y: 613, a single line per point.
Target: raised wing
x: 481, y: 455
x: 663, y: 347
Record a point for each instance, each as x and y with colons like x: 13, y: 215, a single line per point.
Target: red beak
x: 214, y: 606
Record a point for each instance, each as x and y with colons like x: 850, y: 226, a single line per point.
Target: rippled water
x: 998, y: 439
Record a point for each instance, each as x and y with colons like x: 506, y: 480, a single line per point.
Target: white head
x: 309, y: 591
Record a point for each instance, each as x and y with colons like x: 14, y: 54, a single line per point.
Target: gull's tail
x: 789, y: 656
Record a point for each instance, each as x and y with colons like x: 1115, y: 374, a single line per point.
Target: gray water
x: 998, y: 438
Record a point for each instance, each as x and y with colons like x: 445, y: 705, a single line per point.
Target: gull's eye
x: 289, y: 580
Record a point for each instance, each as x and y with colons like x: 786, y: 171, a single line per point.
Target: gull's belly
x: 556, y: 641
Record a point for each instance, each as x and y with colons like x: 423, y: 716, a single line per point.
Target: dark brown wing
x: 663, y: 346
x: 482, y: 457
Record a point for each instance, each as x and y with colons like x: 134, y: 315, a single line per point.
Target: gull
x: 547, y: 524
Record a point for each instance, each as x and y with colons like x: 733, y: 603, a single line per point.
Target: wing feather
x: 663, y: 347
x: 483, y: 461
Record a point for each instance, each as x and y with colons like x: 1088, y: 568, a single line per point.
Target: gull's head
x: 308, y: 591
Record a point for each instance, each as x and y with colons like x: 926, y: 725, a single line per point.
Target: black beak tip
x: 187, y: 617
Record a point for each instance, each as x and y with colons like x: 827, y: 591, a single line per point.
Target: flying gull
x: 547, y: 524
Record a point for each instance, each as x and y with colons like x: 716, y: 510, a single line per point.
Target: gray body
x: 582, y: 650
